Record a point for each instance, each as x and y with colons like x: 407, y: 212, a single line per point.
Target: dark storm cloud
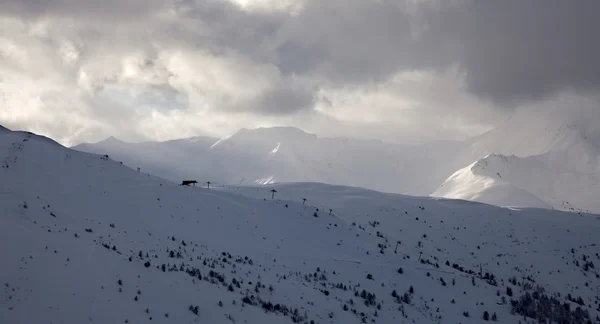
x: 354, y: 41
x: 347, y: 41
x: 518, y: 50
x: 511, y: 51
x: 105, y: 9
x: 283, y: 101
x: 219, y: 26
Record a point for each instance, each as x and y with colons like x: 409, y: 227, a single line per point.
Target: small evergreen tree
x: 192, y: 308
x: 509, y: 292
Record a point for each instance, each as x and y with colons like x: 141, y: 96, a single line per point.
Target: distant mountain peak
x: 195, y: 138
x: 277, y: 133
x: 482, y: 181
x: 110, y: 140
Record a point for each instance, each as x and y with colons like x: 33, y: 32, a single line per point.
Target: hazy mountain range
x: 534, y: 159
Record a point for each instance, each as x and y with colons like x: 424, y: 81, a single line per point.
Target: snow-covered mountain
x: 533, y: 181
x: 86, y: 239
x: 482, y: 181
x: 534, y: 159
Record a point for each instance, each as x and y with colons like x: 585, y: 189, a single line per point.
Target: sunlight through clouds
x: 327, y: 66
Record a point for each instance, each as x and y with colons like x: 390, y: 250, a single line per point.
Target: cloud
x: 523, y: 50
x: 511, y: 51
x: 421, y: 105
x: 108, y: 9
x: 418, y: 69
x: 355, y: 41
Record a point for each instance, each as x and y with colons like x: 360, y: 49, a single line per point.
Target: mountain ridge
x: 565, y: 147
x: 475, y: 183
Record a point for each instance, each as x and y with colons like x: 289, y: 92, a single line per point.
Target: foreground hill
x: 86, y: 239
x: 175, y: 160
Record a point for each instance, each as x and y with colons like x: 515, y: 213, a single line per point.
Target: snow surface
x: 545, y: 180
x: 552, y: 153
x: 472, y: 183
x: 83, y: 239
x: 175, y: 160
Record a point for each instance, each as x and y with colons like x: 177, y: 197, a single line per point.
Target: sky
x: 407, y: 71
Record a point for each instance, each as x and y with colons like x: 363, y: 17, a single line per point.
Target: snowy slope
x: 84, y: 239
x: 552, y: 153
x: 547, y: 181
x: 476, y: 183
x: 174, y: 160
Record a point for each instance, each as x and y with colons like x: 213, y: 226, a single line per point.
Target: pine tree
x: 509, y: 292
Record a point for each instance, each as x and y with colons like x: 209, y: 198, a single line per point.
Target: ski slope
x: 84, y: 239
